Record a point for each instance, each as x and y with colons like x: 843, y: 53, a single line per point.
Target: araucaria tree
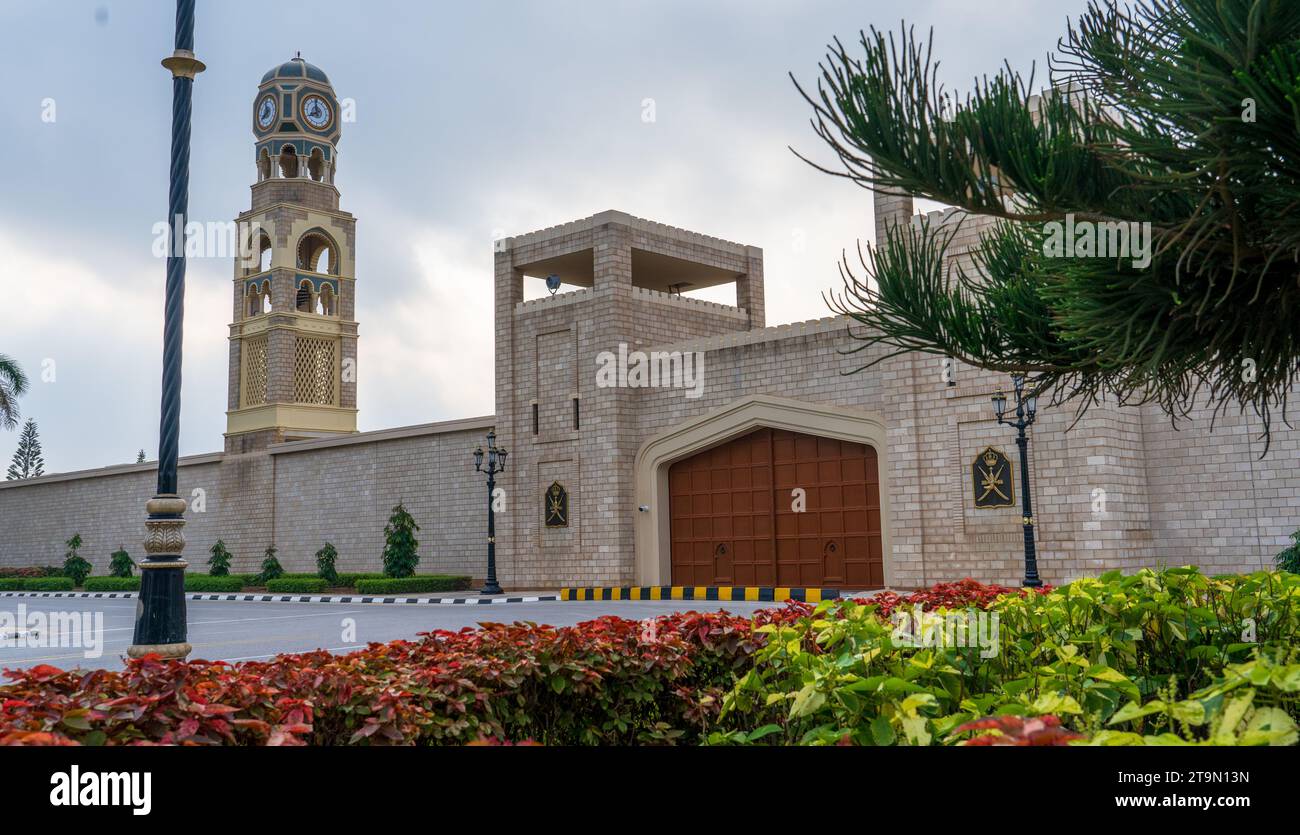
x: 326, y: 558
x: 75, y: 565
x: 27, y: 461
x: 219, y: 562
x: 271, y: 568
x: 1181, y: 115
x: 13, y: 384
x: 401, y: 548
x: 120, y: 564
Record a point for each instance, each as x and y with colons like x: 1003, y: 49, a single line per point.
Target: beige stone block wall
x: 296, y: 495
x: 343, y: 493
x: 105, y: 506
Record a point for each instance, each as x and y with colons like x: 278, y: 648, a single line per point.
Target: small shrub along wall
x: 1149, y: 659
x: 206, y: 583
x: 112, y: 584
x: 36, y: 584
x: 296, y: 585
x: 413, y: 585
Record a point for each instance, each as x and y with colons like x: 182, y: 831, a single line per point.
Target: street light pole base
x: 1032, y: 584
x: 490, y: 588
x: 164, y: 651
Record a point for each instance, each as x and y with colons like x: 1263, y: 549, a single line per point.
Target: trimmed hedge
x: 36, y: 584
x: 411, y: 585
x: 32, y: 571
x: 204, y: 582
x: 345, y: 578
x: 297, y: 585
x: 50, y: 584
x: 112, y: 584
x: 350, y: 579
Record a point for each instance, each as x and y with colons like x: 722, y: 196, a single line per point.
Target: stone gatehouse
x: 654, y: 437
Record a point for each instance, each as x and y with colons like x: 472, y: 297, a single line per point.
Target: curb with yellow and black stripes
x: 752, y: 594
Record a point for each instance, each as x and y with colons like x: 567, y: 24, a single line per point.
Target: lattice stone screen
x: 314, y: 364
x: 253, y: 390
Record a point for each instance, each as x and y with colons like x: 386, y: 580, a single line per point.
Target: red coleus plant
x: 1018, y: 730
x: 607, y: 681
x: 962, y: 594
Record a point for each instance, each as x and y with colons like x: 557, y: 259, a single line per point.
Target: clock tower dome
x: 293, y: 341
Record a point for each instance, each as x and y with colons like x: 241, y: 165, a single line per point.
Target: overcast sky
x: 471, y: 119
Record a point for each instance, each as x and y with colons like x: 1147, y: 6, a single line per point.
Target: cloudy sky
x: 472, y: 119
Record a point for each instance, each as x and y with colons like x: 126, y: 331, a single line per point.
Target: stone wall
x: 105, y: 506
x: 298, y: 495
x: 1119, y: 489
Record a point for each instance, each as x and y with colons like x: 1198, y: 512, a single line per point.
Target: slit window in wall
x: 535, y: 419
x: 576, y: 414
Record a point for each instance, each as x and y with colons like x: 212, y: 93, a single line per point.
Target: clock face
x: 266, y: 112
x: 317, y: 112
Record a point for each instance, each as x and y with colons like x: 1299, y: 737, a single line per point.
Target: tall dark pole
x: 1031, y: 555
x: 1026, y: 412
x: 496, y: 462
x: 160, y: 626
x: 490, y: 586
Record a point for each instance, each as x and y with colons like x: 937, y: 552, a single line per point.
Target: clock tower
x: 293, y: 341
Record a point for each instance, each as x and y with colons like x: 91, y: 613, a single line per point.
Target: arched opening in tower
x: 288, y: 162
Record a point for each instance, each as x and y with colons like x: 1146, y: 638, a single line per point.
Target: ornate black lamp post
x: 496, y: 463
x: 1026, y: 411
x: 160, y: 616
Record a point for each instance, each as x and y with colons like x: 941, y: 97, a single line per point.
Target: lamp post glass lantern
x: 496, y: 463
x: 1025, y: 414
x: 160, y: 626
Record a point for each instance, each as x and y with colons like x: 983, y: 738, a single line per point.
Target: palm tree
x: 13, y: 384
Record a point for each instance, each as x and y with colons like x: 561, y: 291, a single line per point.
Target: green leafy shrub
x: 349, y: 579
x: 1095, y: 653
x: 343, y: 579
x: 120, y: 564
x: 13, y: 583
x: 297, y: 585
x: 208, y: 583
x: 325, y: 559
x: 219, y: 562
x: 1252, y: 703
x: 413, y: 585
x: 1289, y: 559
x: 112, y: 584
x: 75, y: 565
x: 401, y: 548
x: 271, y: 568
x: 47, y: 584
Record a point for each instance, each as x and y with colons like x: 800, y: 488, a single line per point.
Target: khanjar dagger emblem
x: 557, y: 506
x: 991, y: 477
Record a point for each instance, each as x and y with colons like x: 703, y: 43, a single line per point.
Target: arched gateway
x: 776, y: 508
x: 766, y: 491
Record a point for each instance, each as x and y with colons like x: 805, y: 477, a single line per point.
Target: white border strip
x: 299, y: 598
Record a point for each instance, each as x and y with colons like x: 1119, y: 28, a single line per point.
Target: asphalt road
x: 242, y: 631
